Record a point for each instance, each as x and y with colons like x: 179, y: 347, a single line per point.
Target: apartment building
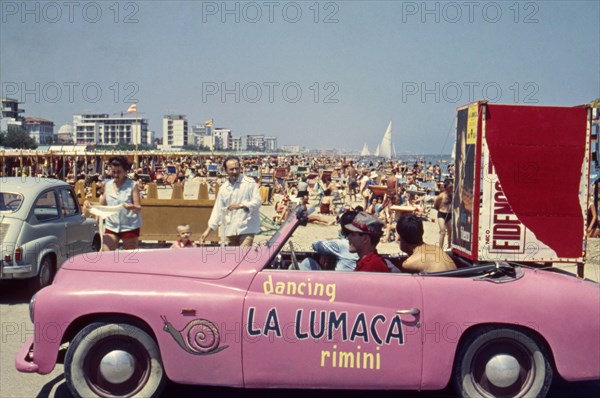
x: 175, y: 130
x: 40, y: 129
x: 101, y: 129
x: 11, y: 114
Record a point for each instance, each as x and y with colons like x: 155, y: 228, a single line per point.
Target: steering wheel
x: 277, y: 263
x: 10, y: 206
x: 294, y: 264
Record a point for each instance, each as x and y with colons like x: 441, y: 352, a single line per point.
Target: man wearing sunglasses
x: 365, y: 231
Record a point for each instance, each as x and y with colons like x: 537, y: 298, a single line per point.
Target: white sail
x: 376, y: 154
x: 365, y: 151
x: 453, y: 155
x: 385, y: 148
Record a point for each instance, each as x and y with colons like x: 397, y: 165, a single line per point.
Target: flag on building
x: 132, y: 108
x: 208, y: 122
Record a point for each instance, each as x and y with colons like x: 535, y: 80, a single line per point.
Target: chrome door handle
x: 412, y: 311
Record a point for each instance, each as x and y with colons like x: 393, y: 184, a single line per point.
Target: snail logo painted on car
x: 198, y: 337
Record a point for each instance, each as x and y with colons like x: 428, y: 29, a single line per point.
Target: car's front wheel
x: 505, y: 362
x: 114, y: 360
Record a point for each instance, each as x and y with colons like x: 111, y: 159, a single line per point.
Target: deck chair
x: 339, y: 198
x: 318, y: 191
x: 267, y: 225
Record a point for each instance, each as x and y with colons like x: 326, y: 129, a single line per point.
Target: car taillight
x: 18, y: 254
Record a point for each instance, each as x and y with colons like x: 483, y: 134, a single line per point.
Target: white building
x: 100, y: 129
x: 41, y: 130
x: 293, y: 148
x: 151, y: 137
x: 11, y: 114
x: 270, y: 144
x: 175, y: 130
x: 222, y: 138
x: 203, y: 135
x: 256, y: 143
x: 239, y: 144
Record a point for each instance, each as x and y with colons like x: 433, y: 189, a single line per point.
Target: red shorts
x: 134, y: 233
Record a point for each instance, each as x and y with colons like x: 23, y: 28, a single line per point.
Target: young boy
x: 185, y: 233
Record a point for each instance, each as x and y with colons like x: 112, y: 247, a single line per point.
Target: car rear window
x: 10, y: 201
x: 67, y: 200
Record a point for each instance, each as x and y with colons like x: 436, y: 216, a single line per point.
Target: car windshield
x: 277, y: 235
x: 10, y: 201
x: 293, y: 215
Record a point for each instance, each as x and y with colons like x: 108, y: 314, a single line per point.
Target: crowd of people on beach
x: 337, y: 182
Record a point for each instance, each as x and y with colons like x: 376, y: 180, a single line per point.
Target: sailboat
x: 386, y: 147
x: 365, y: 151
x: 376, y: 154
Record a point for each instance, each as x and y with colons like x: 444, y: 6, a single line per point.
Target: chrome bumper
x: 15, y: 269
x: 24, y: 359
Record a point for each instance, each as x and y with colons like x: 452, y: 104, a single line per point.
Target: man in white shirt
x: 236, y: 207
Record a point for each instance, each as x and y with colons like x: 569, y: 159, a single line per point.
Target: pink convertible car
x: 124, y: 322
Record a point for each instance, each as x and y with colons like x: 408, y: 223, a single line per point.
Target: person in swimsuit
x: 443, y: 204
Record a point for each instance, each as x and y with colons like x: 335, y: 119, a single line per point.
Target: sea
x: 443, y: 160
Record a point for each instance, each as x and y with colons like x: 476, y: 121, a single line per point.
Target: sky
x: 328, y: 74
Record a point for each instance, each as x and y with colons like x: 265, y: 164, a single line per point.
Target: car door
x: 77, y: 234
x: 46, y: 231
x: 330, y: 329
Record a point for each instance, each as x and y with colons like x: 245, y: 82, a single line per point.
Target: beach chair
x: 339, y: 198
x: 212, y: 171
x: 327, y: 173
x: 318, y: 192
x: 266, y: 181
x: 145, y: 178
x: 265, y: 194
x: 267, y: 225
x: 302, y: 171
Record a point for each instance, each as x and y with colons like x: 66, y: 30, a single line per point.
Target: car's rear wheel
x: 114, y: 360
x: 45, y: 274
x: 502, y: 362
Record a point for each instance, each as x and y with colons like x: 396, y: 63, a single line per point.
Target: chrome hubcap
x: 117, y: 366
x: 502, y: 370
